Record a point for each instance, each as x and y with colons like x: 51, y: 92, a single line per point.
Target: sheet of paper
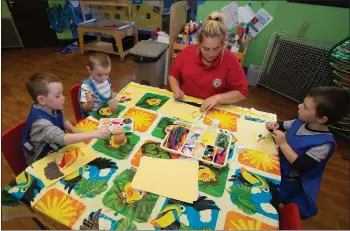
x: 180, y: 110
x: 175, y: 179
x: 130, y: 96
x: 231, y: 15
x: 259, y: 22
x: 59, y: 164
x: 245, y: 14
x: 153, y: 3
x: 254, y: 135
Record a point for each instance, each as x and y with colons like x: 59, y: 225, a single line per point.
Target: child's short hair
x: 37, y: 84
x: 332, y: 102
x: 99, y: 58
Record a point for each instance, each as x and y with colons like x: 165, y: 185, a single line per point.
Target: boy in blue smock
x: 308, y: 145
x: 46, y: 126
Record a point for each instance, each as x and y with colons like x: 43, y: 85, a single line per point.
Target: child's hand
x: 114, y: 94
x: 102, y: 133
x: 178, y: 94
x: 272, y: 126
x: 279, y: 137
x: 89, y: 97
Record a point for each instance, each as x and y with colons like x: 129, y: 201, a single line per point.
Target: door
x: 32, y: 23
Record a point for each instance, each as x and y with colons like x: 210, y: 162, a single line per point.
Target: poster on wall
x: 259, y: 22
x: 231, y: 15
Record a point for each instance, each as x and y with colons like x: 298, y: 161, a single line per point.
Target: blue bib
x: 304, y: 192
x: 102, y: 100
x: 34, y: 115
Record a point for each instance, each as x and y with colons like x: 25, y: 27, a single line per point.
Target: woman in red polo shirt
x: 208, y: 70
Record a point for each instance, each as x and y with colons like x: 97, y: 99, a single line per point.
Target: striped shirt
x: 103, y: 88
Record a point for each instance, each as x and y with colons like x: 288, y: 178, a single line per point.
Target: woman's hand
x: 209, y: 103
x: 178, y: 94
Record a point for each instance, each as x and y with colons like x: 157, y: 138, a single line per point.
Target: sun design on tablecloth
x: 236, y: 221
x: 60, y: 207
x: 227, y: 119
x: 87, y: 125
x: 260, y: 160
x: 142, y: 119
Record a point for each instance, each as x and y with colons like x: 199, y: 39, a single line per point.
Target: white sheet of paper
x: 231, y: 15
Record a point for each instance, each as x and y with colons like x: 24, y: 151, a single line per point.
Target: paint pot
x: 240, y: 148
x: 215, y: 123
x: 118, y: 136
x: 113, y: 105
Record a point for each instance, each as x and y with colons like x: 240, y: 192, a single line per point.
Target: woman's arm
x: 175, y: 87
x: 223, y: 98
x: 230, y: 97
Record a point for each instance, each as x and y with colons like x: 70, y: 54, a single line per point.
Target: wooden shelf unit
x: 99, y: 45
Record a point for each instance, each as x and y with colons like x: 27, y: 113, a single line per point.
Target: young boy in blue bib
x: 307, y: 146
x: 96, y: 90
x: 46, y: 124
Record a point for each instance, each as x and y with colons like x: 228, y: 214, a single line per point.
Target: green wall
x: 5, y: 12
x: 329, y: 24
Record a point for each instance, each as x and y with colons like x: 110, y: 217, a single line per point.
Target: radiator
x: 293, y: 65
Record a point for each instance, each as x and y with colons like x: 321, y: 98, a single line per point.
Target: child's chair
x: 74, y: 94
x: 11, y: 147
x: 290, y: 217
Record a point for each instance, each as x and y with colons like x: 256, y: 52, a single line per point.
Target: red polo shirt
x: 202, y: 81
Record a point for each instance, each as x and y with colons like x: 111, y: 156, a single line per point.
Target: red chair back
x: 290, y: 217
x: 74, y: 94
x: 11, y: 147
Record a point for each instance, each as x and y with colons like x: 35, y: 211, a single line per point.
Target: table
x: 115, y: 28
x: 99, y: 196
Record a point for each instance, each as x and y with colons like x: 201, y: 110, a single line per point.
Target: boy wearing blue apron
x: 46, y: 125
x: 307, y: 146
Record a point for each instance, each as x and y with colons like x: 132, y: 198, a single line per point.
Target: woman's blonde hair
x: 214, y: 26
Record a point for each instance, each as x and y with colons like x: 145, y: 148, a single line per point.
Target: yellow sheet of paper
x: 180, y: 110
x: 59, y: 164
x: 248, y: 135
x: 133, y: 93
x: 176, y: 179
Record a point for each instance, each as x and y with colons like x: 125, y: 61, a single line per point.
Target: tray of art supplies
x: 208, y: 145
x: 126, y: 123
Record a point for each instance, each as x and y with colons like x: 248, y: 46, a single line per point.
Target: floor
x: 18, y: 65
